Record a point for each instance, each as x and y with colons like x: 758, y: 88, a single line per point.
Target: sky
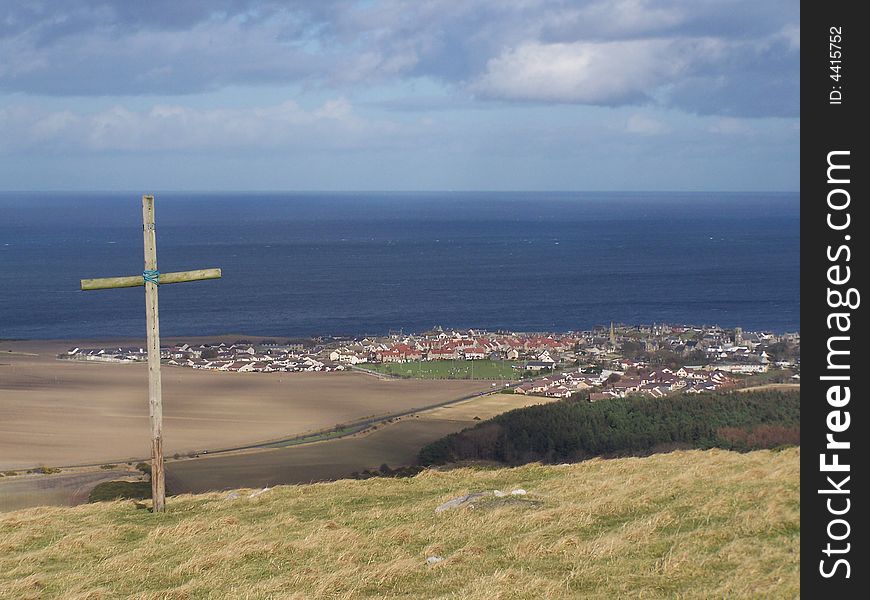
x: 634, y: 95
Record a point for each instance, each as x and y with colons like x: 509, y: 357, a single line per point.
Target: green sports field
x: 450, y: 369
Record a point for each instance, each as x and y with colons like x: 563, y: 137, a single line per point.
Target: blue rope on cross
x: 151, y: 275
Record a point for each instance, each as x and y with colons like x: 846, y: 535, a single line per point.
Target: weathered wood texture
x: 106, y: 283
x: 155, y: 400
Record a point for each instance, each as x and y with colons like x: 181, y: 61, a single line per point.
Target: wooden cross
x: 151, y: 278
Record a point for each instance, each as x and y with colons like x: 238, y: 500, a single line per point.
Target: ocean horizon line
x: 403, y: 191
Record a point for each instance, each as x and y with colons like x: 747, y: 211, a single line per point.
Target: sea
x: 366, y: 263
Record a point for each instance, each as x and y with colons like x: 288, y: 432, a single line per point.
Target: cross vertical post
x: 152, y: 319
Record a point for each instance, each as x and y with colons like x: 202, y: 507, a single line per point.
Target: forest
x: 574, y: 430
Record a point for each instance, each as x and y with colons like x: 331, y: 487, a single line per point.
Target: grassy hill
x: 693, y: 524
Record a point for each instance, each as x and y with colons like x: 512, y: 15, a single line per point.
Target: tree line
x: 574, y: 430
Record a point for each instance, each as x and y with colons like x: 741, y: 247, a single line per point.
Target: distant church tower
x: 612, y: 336
x: 738, y: 335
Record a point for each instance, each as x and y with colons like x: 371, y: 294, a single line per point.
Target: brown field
x: 61, y: 413
x: 396, y: 444
x: 772, y: 387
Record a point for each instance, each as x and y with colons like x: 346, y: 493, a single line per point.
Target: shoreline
x: 230, y: 337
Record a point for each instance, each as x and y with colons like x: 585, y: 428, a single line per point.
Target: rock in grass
x: 434, y: 560
x: 256, y: 493
x: 461, y: 500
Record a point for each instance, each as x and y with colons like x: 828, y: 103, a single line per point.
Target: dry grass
x: 687, y: 524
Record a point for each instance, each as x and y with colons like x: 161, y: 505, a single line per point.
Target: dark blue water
x: 304, y: 264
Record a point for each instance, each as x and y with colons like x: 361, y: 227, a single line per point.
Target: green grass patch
x: 43, y: 470
x: 771, y: 376
x: 450, y: 369
x: 320, y: 436
x: 120, y: 490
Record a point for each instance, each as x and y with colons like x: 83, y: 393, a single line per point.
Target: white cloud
x: 734, y: 53
x: 589, y: 72
x: 791, y: 33
x: 637, y: 15
x: 614, y: 18
x: 333, y: 125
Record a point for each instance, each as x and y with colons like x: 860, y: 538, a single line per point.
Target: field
x: 396, y: 444
x: 60, y: 413
x: 450, y: 369
x: 773, y: 376
x: 687, y: 524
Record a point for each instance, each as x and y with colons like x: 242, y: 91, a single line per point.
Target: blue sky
x: 399, y: 95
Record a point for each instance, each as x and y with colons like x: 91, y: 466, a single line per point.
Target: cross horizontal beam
x: 106, y: 283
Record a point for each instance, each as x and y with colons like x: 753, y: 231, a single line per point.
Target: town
x: 604, y: 362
